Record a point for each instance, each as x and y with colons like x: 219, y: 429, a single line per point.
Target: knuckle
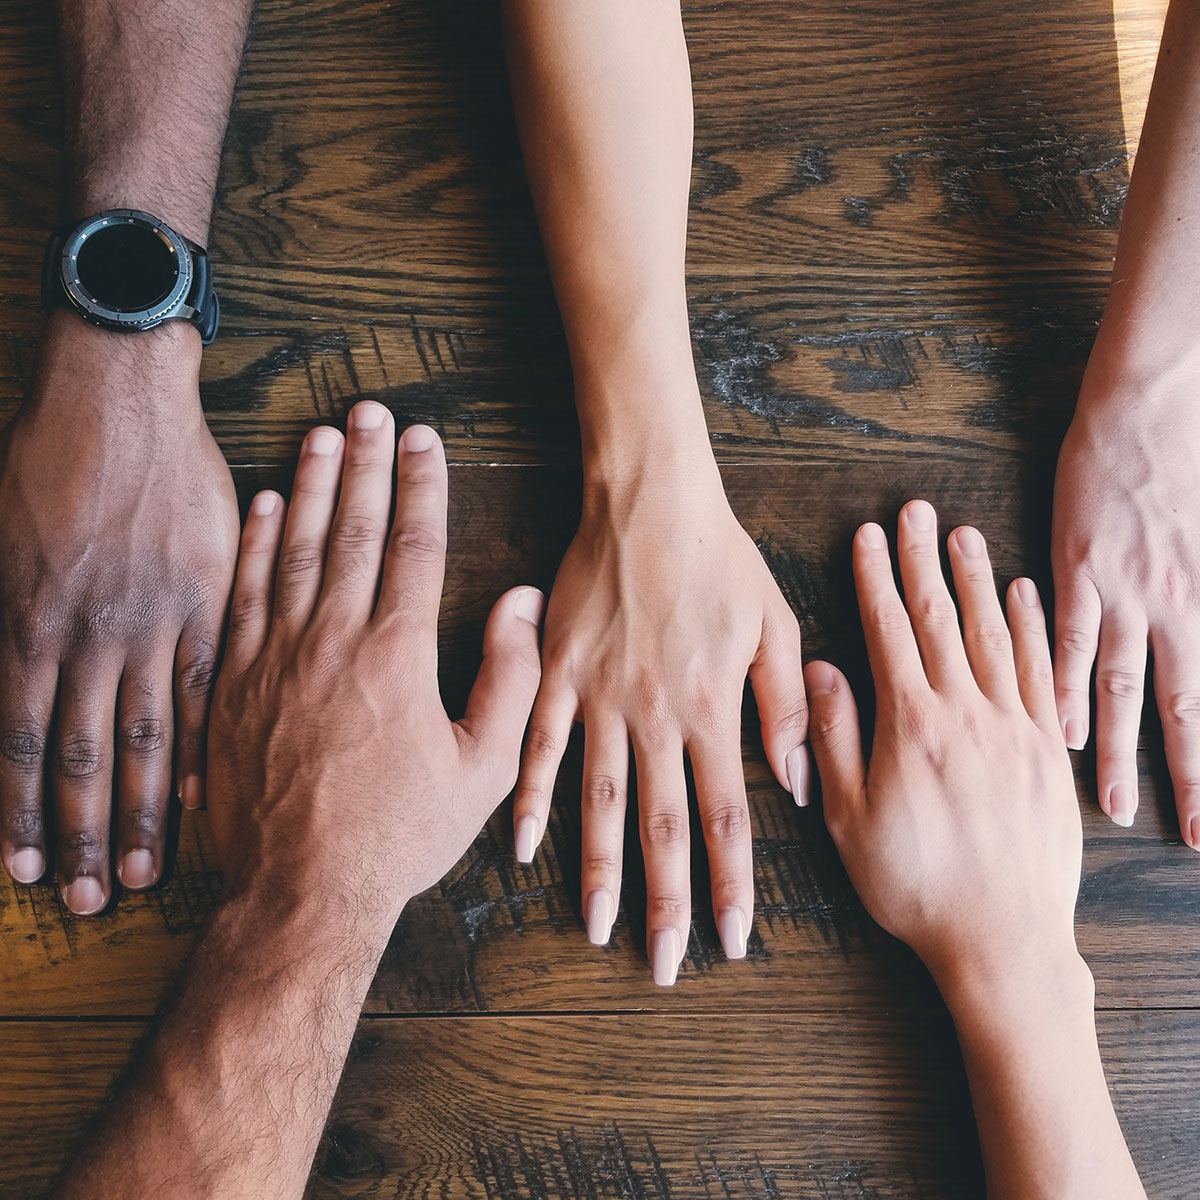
x: 299, y: 560
x: 888, y: 620
x: 991, y: 637
x: 84, y: 846
x: 663, y: 908
x: 22, y: 749
x: 198, y: 672
x: 601, y: 864
x: 94, y: 622
x: 247, y: 609
x: 1120, y: 685
x: 1035, y: 675
x: 917, y: 724
x: 417, y: 544
x: 358, y: 533
x: 727, y: 821
x: 665, y: 830
x: 79, y: 756
x: 32, y: 632
x: 541, y: 746
x: 604, y: 794
x: 23, y: 823
x: 934, y: 612
x: 142, y: 820
x: 795, y: 715
x: 1183, y: 708
x: 143, y: 735
x: 1076, y: 640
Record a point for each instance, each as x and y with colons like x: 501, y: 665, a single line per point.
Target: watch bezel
x: 90, y: 307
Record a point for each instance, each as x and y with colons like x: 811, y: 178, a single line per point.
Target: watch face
x: 127, y: 267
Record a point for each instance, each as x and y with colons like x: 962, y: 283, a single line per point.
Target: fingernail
x: 27, y: 865
x: 731, y: 925
x: 324, y: 441
x: 191, y: 792
x: 528, y: 605
x: 418, y: 438
x: 1027, y: 592
x: 665, y: 953
x: 819, y: 679
x: 368, y: 415
x: 1122, y: 805
x: 970, y: 541
x: 529, y: 833
x: 83, y: 896
x: 797, y: 775
x: 920, y: 515
x: 263, y: 505
x: 136, y: 869
x: 601, y: 913
x: 873, y: 536
x: 1193, y: 834
x: 1076, y: 734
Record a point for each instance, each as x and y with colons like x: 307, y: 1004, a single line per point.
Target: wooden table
x: 903, y: 218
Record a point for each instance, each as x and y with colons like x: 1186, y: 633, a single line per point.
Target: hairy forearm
x: 149, y: 85
x: 1046, y: 1120
x: 604, y: 106
x: 230, y: 1096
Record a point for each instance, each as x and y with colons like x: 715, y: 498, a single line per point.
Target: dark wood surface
x: 902, y: 223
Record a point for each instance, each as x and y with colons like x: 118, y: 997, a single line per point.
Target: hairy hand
x: 118, y: 532
x: 1126, y: 550
x: 333, y: 767
x: 661, y: 607
x: 963, y: 837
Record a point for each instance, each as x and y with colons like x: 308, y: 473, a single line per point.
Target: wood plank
x: 744, y: 1107
x: 497, y: 935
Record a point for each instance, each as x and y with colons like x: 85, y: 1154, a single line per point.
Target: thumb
x: 837, y: 744
x: 500, y: 702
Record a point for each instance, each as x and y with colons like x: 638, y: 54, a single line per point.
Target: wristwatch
x: 126, y: 270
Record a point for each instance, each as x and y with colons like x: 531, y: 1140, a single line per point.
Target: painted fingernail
x: 1192, y: 837
x: 920, y: 515
x: 797, y: 775
x: 1076, y: 733
x: 601, y: 913
x: 665, y: 953
x: 873, y: 536
x: 368, y: 415
x: 418, y: 438
x: 83, y: 896
x: 136, y: 869
x: 1027, y: 592
x: 970, y: 541
x: 529, y: 833
x: 1122, y: 805
x: 324, y: 441
x: 731, y: 925
x: 27, y: 865
x: 528, y: 605
x: 191, y: 792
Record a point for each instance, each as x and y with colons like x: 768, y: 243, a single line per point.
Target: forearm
x: 604, y: 106
x: 233, y: 1091
x: 1046, y: 1120
x: 149, y: 85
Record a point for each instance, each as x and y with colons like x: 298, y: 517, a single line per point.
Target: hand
x: 963, y: 838
x: 1126, y: 550
x: 661, y: 606
x: 333, y: 768
x: 118, y: 531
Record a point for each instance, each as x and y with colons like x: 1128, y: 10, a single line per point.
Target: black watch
x: 126, y: 270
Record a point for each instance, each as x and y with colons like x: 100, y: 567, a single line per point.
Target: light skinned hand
x: 1126, y: 554
x: 963, y: 834
x: 333, y: 767
x: 118, y: 528
x: 661, y: 607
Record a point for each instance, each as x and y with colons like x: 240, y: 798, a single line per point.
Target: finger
x: 306, y: 531
x: 1120, y: 682
x: 27, y: 691
x: 930, y: 608
x: 725, y: 819
x: 360, y: 524
x: 415, y: 564
x: 605, y: 792
x: 984, y: 632
x: 549, y: 729
x: 82, y: 776
x: 1031, y: 653
x: 254, y: 584
x: 663, y: 821
x: 837, y: 745
x: 1176, y: 669
x: 500, y: 702
x: 1076, y: 636
x: 195, y: 674
x: 777, y: 677
x: 144, y: 738
x: 891, y: 646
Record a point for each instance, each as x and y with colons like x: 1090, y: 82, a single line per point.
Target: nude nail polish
x: 529, y: 833
x: 797, y: 775
x: 731, y: 924
x: 83, y: 896
x: 1121, y: 805
x: 1193, y: 835
x: 601, y: 912
x: 1076, y: 734
x: 27, y: 865
x: 665, y: 953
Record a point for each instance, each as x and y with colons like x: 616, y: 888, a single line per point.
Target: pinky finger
x: 1031, y: 653
x: 254, y: 586
x: 549, y: 728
